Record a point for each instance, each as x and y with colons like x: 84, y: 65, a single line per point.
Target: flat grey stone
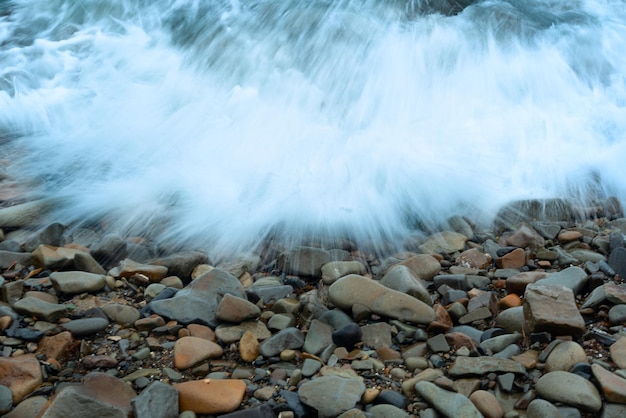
x: 540, y: 408
x: 331, y: 395
x: 463, y: 366
x: 121, y: 314
x: 85, y: 326
x: 73, y: 282
x: 450, y: 404
x: 387, y: 411
x: 402, y: 279
x: 570, y: 389
x: 318, y: 337
x: 499, y: 343
x: 288, y: 338
x: 573, y: 278
x: 376, y: 335
x: 159, y: 400
x: 31, y: 306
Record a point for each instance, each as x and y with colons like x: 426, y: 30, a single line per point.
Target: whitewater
x: 229, y: 122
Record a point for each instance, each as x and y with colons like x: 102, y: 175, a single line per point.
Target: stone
x: 331, y: 395
x: 423, y: 266
x: 303, y: 261
x: 25, y: 214
x: 73, y: 282
x: 450, y: 404
x: 318, y: 337
x: 189, y: 351
x: 464, y: 366
x: 564, y: 356
x: 56, y: 346
x: 347, y: 336
x: 552, y: 309
x: 231, y: 334
x: 98, y: 362
x: 182, y: 264
x: 573, y: 278
x: 512, y: 320
x: 518, y: 282
x: 617, y: 314
x: 99, y: 395
x: 402, y: 279
x: 234, y: 309
x: 158, y: 400
x: 22, y: 375
x: 443, y: 242
x: 122, y: 314
x: 615, y: 293
x: 28, y: 408
x: 35, y: 307
x: 618, y: 352
x: 6, y: 399
x: 281, y: 321
x: 261, y: 411
x: 85, y: 262
x: 595, y: 298
x: 54, y: 257
x: 9, y: 258
x: 376, y: 335
x: 617, y: 260
x: 210, y: 396
x: 337, y: 269
x: 248, y: 347
x: 154, y: 272
x: 513, y: 260
x: 540, y: 408
x: 487, y: 404
x: 348, y: 290
x: 85, y: 326
x: 548, y: 210
x: 570, y: 389
x: 525, y: 236
x: 500, y: 342
x: 199, y: 301
x: 613, y: 387
x: 288, y: 338
x: 473, y: 258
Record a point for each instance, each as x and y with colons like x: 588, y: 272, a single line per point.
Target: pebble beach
x: 524, y: 318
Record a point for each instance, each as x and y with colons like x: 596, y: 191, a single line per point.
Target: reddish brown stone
x: 21, y: 375
x: 56, y: 346
x: 210, y: 396
x: 513, y: 260
x: 510, y: 301
x: 473, y: 258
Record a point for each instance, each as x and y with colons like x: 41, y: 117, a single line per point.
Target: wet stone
x: 73, y: 282
x: 347, y: 336
x: 289, y: 338
x: 613, y: 387
x: 552, y: 309
x: 569, y: 389
x: 463, y: 366
x: 158, y: 400
x: 86, y: 326
x: 331, y: 395
x: 40, y: 309
x: 448, y: 403
x: 318, y: 337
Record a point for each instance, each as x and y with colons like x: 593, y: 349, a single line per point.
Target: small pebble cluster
x: 521, y: 319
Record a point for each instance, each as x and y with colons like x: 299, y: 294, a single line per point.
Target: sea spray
x: 229, y: 122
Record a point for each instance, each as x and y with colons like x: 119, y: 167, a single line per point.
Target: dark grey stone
x: 159, y: 400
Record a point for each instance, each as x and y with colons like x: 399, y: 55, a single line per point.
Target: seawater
x: 228, y: 122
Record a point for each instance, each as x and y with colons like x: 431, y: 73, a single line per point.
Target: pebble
x: 73, y: 282
x: 331, y: 395
x: 448, y: 403
x: 318, y: 337
x: 443, y: 242
x: 347, y: 336
x: 540, y: 408
x: 618, y: 352
x: 337, y: 269
x: 564, y: 356
x: 86, y: 326
x: 613, y: 387
x: 189, y: 351
x: 423, y: 266
x: 288, y: 338
x: 487, y: 404
x: 552, y: 309
x: 348, y: 290
x: 210, y: 396
x: 570, y: 389
x: 35, y: 307
x: 121, y: 314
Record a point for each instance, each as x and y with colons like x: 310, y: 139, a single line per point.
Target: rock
x: 573, y: 278
x: 570, y: 389
x: 234, y: 309
x: 448, y: 403
x: 288, y: 338
x: 443, y: 242
x: 231, y: 334
x: 615, y: 293
x: 402, y: 279
x: 595, y: 298
x: 336, y: 269
x: 99, y: 395
x: 22, y: 375
x: 518, y: 282
x: 98, y: 362
x: 548, y: 210
x: 539, y: 408
x: 25, y: 214
x: 613, y: 387
x: 158, y: 400
x: 500, y: 342
x: 617, y: 260
x: 564, y: 356
x: 617, y: 315
x: 54, y: 257
x: 85, y: 262
x: 513, y: 260
x: 423, y: 266
x: 331, y: 395
x: 121, y: 314
x: 210, y: 396
x: 73, y: 282
x: 182, y: 264
x: 189, y: 351
x: 56, y: 346
x: 463, y: 366
x: 487, y: 404
x: 261, y: 411
x: 86, y: 326
x: 618, y: 352
x: 31, y: 306
x: 347, y: 336
x: 303, y: 261
x: 9, y: 258
x: 376, y: 335
x: 110, y: 250
x: 524, y: 237
x: 249, y: 347
x: 348, y: 290
x: 154, y: 272
x: 473, y: 258
x: 552, y: 309
x: 610, y: 410
x: 318, y: 337
x: 29, y: 407
x: 199, y: 301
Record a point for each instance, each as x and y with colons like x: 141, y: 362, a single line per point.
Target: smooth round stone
x: 121, y: 314
x: 318, y: 337
x: 281, y: 321
x: 583, y: 370
x: 6, y: 400
x: 153, y: 290
x: 569, y: 389
x: 289, y: 338
x: 347, y: 336
x: 487, y: 404
x: 310, y: 367
x: 387, y: 411
x: 392, y: 397
x: 189, y: 351
x: 331, y: 395
x: 539, y: 408
x: 617, y: 314
x: 209, y: 396
x: 86, y: 326
x: 500, y: 342
x: 564, y: 356
x: 74, y: 282
x: 450, y: 404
